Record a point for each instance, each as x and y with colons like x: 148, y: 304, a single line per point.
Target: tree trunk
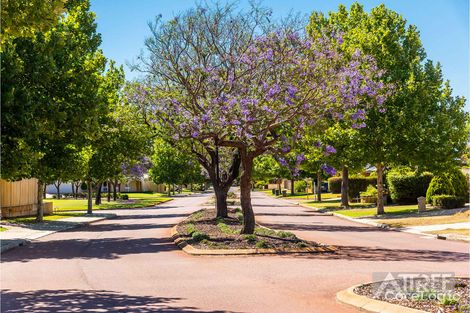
x: 57, y: 186
x: 109, y: 191
x: 114, y: 189
x: 221, y: 201
x: 279, y: 185
x: 173, y: 189
x: 169, y: 190
x: 119, y: 187
x: 319, y: 186
x: 245, y: 196
x: 90, y: 198
x: 345, y: 187
x: 98, y: 194
x: 40, y: 204
x: 44, y: 191
x: 380, y: 189
x: 292, y: 188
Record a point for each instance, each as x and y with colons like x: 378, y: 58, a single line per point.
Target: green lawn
x: 32, y: 219
x: 3, y: 229
x: 136, y: 200
x: 391, y: 209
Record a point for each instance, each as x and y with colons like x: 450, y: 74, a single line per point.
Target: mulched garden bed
x: 203, y: 231
x: 438, y: 295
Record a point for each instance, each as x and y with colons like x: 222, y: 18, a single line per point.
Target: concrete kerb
x: 347, y: 296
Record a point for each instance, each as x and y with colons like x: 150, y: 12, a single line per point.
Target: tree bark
x: 109, y: 191
x: 292, y: 188
x: 57, y: 186
x: 89, y: 195
x: 380, y: 189
x: 319, y: 186
x: 114, y: 190
x: 169, y: 190
x: 221, y: 201
x: 245, y: 196
x: 98, y: 194
x: 44, y: 191
x: 345, y: 187
x: 40, y: 203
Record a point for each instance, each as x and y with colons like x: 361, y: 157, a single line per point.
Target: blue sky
x: 443, y: 24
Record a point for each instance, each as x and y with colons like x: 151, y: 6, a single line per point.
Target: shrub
x: 356, y: 184
x: 286, y: 235
x: 334, y: 184
x: 262, y: 244
x: 448, y: 201
x: 124, y: 197
x: 250, y: 238
x: 300, y: 186
x: 199, y: 236
x: 452, y: 183
x: 260, y: 184
x: 190, y: 229
x: 406, y: 186
x: 371, y: 191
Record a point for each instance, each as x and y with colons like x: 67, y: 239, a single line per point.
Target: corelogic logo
x: 414, y: 286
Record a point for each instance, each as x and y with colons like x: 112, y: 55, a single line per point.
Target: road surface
x: 129, y: 264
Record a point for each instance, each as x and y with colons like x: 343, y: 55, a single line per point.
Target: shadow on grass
x: 73, y: 300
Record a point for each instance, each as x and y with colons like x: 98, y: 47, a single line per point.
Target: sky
x: 443, y: 25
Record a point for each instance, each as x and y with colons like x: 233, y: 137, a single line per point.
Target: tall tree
x: 399, y: 131
x: 50, y: 95
x: 273, y: 88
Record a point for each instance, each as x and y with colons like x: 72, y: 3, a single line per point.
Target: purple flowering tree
x: 248, y: 95
x: 192, y: 61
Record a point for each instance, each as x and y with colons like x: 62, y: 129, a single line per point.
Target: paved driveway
x: 129, y: 264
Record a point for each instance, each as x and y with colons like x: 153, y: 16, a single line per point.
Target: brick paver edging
x: 189, y: 249
x: 367, y: 304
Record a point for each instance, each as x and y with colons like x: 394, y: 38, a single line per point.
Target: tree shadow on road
x: 100, y: 248
x: 358, y: 253
x: 84, y: 301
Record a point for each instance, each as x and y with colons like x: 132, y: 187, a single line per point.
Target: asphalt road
x: 129, y: 264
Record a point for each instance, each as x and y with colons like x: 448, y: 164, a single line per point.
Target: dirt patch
x: 203, y: 231
x: 437, y: 295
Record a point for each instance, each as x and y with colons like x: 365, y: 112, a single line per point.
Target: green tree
x: 168, y: 164
x: 266, y: 167
x: 420, y: 123
x: 49, y: 95
x: 22, y: 18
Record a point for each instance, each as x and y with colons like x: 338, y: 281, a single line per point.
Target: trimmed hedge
x: 356, y: 184
x: 406, y: 187
x: 448, y: 201
x: 334, y: 184
x: 453, y: 183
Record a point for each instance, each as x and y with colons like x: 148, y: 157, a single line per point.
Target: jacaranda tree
x: 258, y: 97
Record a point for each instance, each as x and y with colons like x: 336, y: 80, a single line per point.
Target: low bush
x: 124, y: 197
x: 300, y: 186
x: 250, y: 238
x: 452, y: 183
x: 371, y: 191
x: 199, y: 236
x: 334, y: 184
x: 448, y: 201
x: 260, y: 184
x: 405, y: 185
x: 356, y: 184
x: 262, y: 244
